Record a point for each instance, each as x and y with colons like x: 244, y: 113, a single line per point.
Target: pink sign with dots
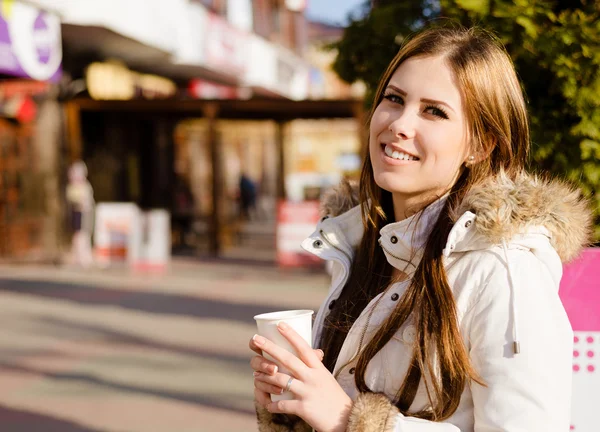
x: 580, y: 294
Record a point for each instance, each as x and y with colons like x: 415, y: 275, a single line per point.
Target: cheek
x: 378, y: 122
x: 445, y: 158
x: 377, y: 125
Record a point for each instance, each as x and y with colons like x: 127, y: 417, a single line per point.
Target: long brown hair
x: 499, y: 136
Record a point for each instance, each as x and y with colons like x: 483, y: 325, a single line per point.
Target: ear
x: 479, y: 153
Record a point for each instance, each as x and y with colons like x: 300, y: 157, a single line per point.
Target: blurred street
x: 194, y: 140
x: 110, y: 350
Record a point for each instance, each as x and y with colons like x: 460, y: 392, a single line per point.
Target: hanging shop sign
x: 30, y: 42
x: 202, y: 89
x: 114, y: 81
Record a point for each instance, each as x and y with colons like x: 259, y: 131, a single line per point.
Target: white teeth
x: 395, y: 154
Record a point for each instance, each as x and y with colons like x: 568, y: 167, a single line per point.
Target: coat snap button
x: 351, y: 371
x: 331, y: 304
x: 394, y: 239
x: 468, y: 224
x: 409, y: 334
x: 317, y: 244
x: 395, y: 296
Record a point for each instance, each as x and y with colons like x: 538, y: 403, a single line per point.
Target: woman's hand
x: 318, y: 398
x: 262, y: 365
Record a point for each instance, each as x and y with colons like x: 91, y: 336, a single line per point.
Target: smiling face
x: 418, y: 133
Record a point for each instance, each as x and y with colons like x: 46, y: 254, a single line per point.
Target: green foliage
x: 555, y: 46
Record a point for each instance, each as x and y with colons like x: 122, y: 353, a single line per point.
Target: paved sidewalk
x: 110, y: 350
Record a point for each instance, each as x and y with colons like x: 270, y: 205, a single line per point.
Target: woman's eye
x: 394, y: 98
x: 438, y: 112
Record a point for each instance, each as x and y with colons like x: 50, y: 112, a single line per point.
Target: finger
x: 267, y: 388
x: 262, y: 398
x: 261, y: 364
x: 281, y: 381
x: 284, y: 406
x: 254, y: 348
x: 285, y: 358
x: 304, y: 350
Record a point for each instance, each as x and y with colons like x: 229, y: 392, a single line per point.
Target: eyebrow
x: 430, y: 101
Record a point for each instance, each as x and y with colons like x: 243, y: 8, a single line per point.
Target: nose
x: 403, y: 126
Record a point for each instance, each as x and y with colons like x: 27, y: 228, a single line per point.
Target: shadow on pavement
x: 152, y: 302
x: 96, y: 334
x: 14, y: 420
x: 99, y: 382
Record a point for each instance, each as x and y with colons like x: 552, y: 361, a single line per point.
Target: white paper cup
x: 299, y: 320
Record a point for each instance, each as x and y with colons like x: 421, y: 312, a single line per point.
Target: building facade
x: 171, y: 103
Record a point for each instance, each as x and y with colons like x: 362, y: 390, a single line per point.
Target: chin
x: 391, y: 183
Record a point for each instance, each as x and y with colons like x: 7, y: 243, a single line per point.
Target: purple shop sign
x: 30, y: 42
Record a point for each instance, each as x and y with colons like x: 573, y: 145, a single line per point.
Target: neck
x: 405, y: 207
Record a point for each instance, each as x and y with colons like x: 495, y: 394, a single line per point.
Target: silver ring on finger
x: 289, y: 384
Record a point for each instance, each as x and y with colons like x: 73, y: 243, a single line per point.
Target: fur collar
x: 506, y: 207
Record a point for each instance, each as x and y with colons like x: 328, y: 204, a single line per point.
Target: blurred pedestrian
x: 443, y: 313
x: 80, y: 198
x: 248, y: 195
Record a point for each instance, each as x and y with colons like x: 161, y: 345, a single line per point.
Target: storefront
x: 30, y: 121
x: 193, y: 165
x: 206, y: 141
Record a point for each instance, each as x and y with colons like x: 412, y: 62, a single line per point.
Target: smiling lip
x: 391, y: 161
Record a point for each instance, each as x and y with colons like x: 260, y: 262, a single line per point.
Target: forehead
x: 428, y: 78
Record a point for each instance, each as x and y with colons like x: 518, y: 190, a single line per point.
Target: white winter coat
x: 503, y: 261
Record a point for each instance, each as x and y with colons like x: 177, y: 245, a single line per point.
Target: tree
x: 555, y: 46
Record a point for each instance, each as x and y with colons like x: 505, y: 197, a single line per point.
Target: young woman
x: 443, y: 312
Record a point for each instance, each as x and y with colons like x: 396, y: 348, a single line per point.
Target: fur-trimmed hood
x: 505, y: 208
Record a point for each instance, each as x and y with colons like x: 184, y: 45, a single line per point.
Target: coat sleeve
x: 529, y: 391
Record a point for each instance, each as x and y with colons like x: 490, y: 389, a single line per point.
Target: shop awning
x: 275, y: 109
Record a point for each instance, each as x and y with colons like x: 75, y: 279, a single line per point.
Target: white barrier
x: 115, y: 232
x: 123, y: 234
x: 152, y: 251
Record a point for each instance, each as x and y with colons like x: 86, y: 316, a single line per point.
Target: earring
x: 471, y: 158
